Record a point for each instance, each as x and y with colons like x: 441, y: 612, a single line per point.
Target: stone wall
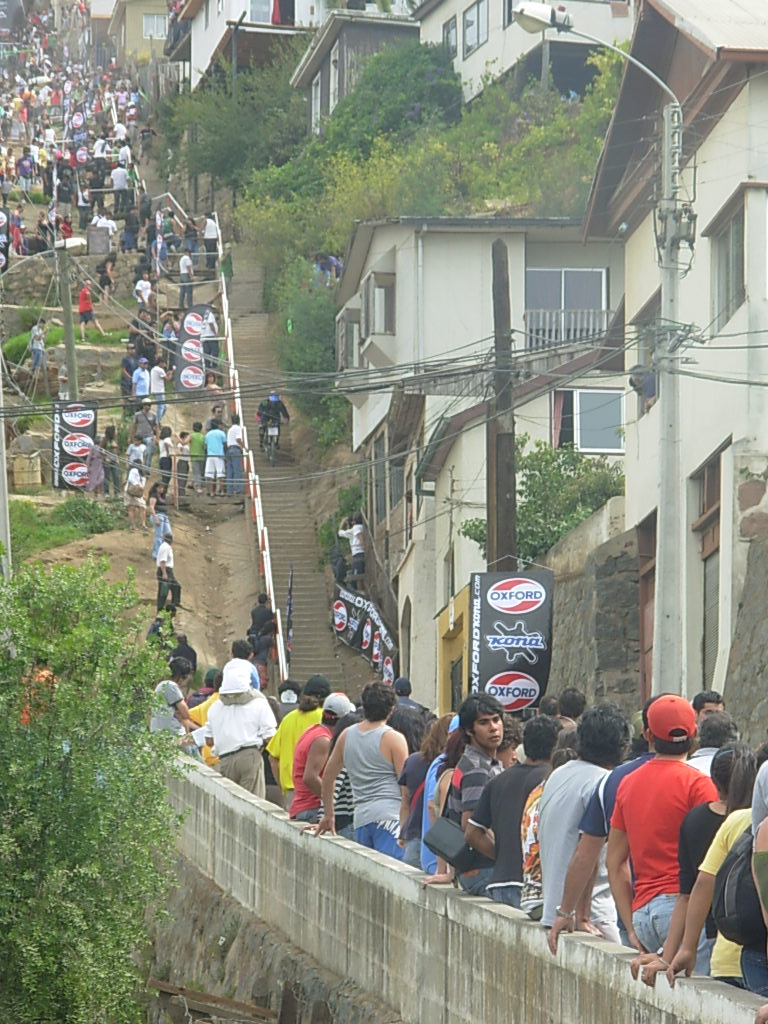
x: 595, y: 643
x: 746, y: 690
x: 432, y: 956
x: 28, y: 282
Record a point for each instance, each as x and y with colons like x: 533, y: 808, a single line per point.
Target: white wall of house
x: 505, y: 44
x: 713, y: 415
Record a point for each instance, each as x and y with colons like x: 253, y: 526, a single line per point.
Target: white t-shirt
x: 119, y: 177
x: 209, y: 231
x: 165, y: 718
x: 186, y: 266
x: 120, y: 131
x: 232, y: 726
x: 157, y: 381
x: 100, y: 149
x: 143, y: 290
x: 124, y: 156
x: 135, y: 451
x: 234, y: 435
x: 164, y: 554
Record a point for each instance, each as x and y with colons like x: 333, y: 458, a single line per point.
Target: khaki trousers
x: 246, y: 768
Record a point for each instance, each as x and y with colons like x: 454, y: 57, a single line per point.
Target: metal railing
x: 177, y: 33
x: 547, y: 328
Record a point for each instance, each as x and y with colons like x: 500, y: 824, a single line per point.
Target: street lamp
x: 676, y: 226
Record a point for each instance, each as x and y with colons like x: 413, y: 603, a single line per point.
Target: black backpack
x: 735, y: 903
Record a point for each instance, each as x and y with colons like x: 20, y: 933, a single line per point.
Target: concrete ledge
x: 433, y: 955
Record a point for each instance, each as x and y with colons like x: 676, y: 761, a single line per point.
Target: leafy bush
x: 557, y: 488
x: 15, y: 349
x: 35, y: 529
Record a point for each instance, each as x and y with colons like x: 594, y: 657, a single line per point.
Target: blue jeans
x: 312, y: 815
x: 412, y: 853
x: 507, y: 894
x: 150, y: 450
x: 160, y: 408
x: 651, y: 924
x: 475, y: 882
x: 381, y: 836
x: 754, y: 968
x: 39, y: 358
x: 162, y: 526
x: 111, y: 473
x: 234, y: 458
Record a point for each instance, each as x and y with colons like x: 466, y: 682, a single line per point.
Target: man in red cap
x: 650, y: 806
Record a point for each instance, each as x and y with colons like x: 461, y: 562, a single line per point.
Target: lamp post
x: 676, y: 225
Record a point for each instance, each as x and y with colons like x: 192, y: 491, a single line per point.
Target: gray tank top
x: 375, y: 791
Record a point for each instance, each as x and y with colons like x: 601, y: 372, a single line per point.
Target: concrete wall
x: 432, y: 956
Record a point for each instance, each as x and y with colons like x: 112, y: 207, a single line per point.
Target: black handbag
x: 445, y: 838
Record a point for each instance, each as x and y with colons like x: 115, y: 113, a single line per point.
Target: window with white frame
x: 590, y: 420
x: 333, y: 92
x: 475, y: 25
x: 154, y: 26
x: 348, y: 339
x: 219, y: 6
x: 377, y: 314
x: 315, y: 101
x: 728, y: 254
x: 207, y: 13
x: 450, y: 38
x: 564, y: 305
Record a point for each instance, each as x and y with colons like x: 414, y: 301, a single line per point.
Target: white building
x: 413, y: 341
x: 714, y: 57
x: 483, y: 39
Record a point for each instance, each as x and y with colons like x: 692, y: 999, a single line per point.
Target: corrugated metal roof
x: 739, y: 26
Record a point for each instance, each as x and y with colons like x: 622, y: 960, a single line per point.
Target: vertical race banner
x: 190, y: 365
x: 510, y: 640
x: 357, y: 622
x: 74, y: 428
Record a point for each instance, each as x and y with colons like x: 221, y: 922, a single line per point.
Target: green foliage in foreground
x: 87, y: 834
x: 36, y: 529
x: 557, y: 488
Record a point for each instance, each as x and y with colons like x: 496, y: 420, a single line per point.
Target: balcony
x: 177, y: 43
x: 552, y: 328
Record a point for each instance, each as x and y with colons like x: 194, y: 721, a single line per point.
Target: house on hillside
x: 483, y: 39
x: 138, y: 29
x: 334, y: 59
x: 714, y: 57
x: 414, y: 337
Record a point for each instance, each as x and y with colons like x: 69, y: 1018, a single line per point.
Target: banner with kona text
x: 510, y: 635
x: 190, y: 362
x: 74, y: 428
x: 358, y: 623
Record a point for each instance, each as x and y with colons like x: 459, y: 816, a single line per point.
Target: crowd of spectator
x: 580, y: 818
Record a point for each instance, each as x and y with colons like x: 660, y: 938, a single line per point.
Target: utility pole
x: 501, y: 486
x: 5, y: 525
x: 62, y: 260
x: 235, y: 29
x: 668, y: 639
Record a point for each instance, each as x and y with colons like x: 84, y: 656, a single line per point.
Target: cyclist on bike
x: 270, y: 413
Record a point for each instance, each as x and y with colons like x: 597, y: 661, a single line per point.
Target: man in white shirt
x: 124, y: 155
x: 119, y: 177
x: 157, y: 378
x: 240, y: 723
x: 234, y: 456
x: 120, y: 131
x: 210, y: 236
x: 166, y: 580
x: 209, y: 336
x: 143, y: 291
x: 186, y: 273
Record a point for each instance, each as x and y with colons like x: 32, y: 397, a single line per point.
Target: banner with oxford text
x: 357, y: 622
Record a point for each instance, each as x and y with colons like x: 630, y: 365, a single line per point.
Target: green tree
x: 557, y: 488
x: 87, y: 835
x: 226, y: 128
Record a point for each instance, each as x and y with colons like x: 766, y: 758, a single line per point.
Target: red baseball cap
x: 672, y: 718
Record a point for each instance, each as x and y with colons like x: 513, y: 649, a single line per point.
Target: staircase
x: 287, y: 515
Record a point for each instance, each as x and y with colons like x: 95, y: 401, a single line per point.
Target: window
x: 396, y: 480
x: 347, y: 339
x: 592, y: 421
x: 563, y: 306
x: 707, y: 525
x: 475, y: 26
x: 646, y: 559
x: 450, y: 42
x: 728, y: 249
x: 508, y: 7
x: 219, y: 6
x: 260, y: 12
x: 315, y: 108
x: 207, y: 13
x: 333, y: 96
x: 154, y: 26
x: 379, y: 480
x: 377, y: 315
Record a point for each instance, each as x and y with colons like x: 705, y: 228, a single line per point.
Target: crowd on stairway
x: 636, y: 831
